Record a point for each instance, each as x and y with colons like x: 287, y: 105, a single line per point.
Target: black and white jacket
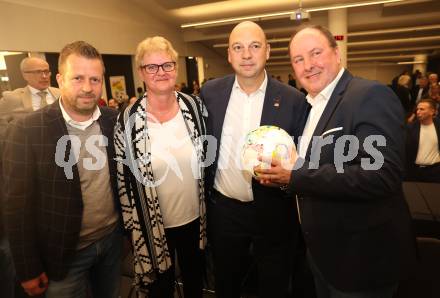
x: 137, y: 193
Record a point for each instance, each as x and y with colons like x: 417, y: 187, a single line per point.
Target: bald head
x: 30, y: 62
x: 247, y: 27
x: 247, y: 53
x: 36, y: 72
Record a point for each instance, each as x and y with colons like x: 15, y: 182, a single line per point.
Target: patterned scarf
x: 137, y: 194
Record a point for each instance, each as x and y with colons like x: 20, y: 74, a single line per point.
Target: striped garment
x: 137, y: 193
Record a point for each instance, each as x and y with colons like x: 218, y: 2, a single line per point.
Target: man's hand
x: 278, y: 174
x: 36, y: 286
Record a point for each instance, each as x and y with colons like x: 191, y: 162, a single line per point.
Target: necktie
x: 42, y: 95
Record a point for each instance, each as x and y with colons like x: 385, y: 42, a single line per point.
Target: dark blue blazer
x: 285, y: 107
x: 357, y: 224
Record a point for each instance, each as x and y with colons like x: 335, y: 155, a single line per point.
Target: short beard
x: 85, y: 111
x: 82, y: 111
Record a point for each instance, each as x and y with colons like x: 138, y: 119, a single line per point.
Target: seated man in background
x: 422, y: 144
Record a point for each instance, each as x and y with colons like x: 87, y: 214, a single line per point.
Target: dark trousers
x: 233, y: 230
x: 185, y: 241
x: 426, y: 173
x: 326, y: 290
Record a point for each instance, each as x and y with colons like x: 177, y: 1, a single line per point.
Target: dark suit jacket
x: 15, y: 104
x: 357, y: 224
x: 412, y: 142
x: 415, y: 93
x: 275, y: 213
x: 404, y: 95
x: 43, y: 208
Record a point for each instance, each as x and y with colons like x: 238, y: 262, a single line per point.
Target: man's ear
x: 59, y: 78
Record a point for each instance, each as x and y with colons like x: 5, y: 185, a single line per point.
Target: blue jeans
x: 326, y: 290
x: 7, y: 270
x: 96, y: 267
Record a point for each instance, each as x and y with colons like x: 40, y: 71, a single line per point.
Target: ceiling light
x: 282, y: 14
x: 412, y: 62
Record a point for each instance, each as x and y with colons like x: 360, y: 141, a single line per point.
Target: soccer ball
x: 269, y: 142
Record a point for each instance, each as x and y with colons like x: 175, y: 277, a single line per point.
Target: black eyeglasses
x: 39, y: 72
x: 154, y: 68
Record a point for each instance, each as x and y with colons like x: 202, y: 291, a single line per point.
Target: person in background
x: 163, y: 203
x: 433, y: 79
x: 291, y: 81
x: 196, y: 88
x: 422, y: 144
x: 415, y: 78
x: 36, y: 94
x: 420, y: 90
x: 102, y: 102
x: 62, y: 219
x: 184, y: 88
x: 396, y: 79
x: 403, y: 92
x: 241, y: 213
x: 354, y: 218
x: 113, y: 103
x: 434, y: 93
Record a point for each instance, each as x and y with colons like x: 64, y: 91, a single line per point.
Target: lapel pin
x: 276, y: 102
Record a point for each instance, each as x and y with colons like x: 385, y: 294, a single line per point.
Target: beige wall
x: 112, y: 26
x: 383, y: 73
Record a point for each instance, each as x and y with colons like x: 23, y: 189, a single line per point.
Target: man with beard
x: 61, y: 217
x: 13, y: 105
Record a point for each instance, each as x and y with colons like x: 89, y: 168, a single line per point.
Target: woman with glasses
x: 159, y: 149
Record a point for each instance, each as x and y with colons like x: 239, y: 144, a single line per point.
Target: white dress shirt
x: 83, y: 124
x: 428, y: 153
x: 318, y: 103
x: 242, y: 116
x: 36, y: 99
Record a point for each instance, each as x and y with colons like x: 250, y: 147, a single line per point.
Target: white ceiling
x: 376, y: 33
